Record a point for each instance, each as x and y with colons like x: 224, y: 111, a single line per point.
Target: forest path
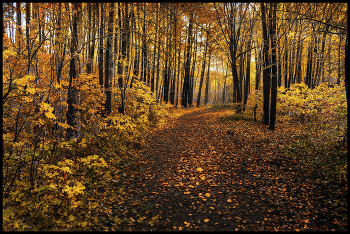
x: 196, y: 176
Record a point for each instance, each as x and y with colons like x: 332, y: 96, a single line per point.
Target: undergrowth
x: 310, y: 127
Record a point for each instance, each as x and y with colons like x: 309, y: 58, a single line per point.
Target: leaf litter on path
x: 198, y: 174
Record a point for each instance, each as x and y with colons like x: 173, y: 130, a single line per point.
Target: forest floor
x: 199, y: 173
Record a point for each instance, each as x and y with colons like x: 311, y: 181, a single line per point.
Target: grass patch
x: 234, y: 117
x: 223, y: 106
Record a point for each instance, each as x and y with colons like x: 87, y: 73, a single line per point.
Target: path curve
x: 197, y: 175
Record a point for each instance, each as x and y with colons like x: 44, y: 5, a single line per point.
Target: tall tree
x: 166, y: 70
x: 266, y: 70
x: 203, y: 68
x: 194, y: 56
x: 108, y: 61
x: 273, y: 39
x: 18, y: 27
x: 186, y: 83
x: 155, y: 48
x: 100, y: 52
x: 207, y: 83
x: 247, y: 78
x: 124, y: 56
x: 28, y: 33
x: 73, y: 72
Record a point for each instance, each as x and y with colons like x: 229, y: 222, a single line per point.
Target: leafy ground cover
x: 206, y: 170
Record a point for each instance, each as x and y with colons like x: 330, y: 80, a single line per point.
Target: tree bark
x: 28, y: 32
x: 71, y: 99
x: 186, y: 83
x: 109, y: 62
x: 266, y: 71
x: 206, y: 95
x: 203, y: 70
x: 247, y: 78
x: 100, y: 54
x: 257, y: 68
x: 274, y: 66
x: 154, y: 49
x: 123, y: 69
x: 191, y: 88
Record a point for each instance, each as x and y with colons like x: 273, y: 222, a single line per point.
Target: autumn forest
x: 138, y: 116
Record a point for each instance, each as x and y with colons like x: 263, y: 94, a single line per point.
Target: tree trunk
x: 28, y: 32
x: 308, y: 77
x: 285, y: 62
x: 173, y: 77
x: 191, y: 88
x: 203, y: 71
x: 123, y: 69
x: 273, y: 37
x: 178, y: 74
x: 266, y: 71
x: 257, y: 68
x: 154, y: 49
x: 206, y: 95
x: 247, y: 78
x: 109, y: 62
x: 100, y: 54
x: 71, y: 99
x: 144, y: 48
x: 90, y: 32
x: 186, y: 84
x: 18, y: 27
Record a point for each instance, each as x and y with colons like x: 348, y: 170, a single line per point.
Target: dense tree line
x: 183, y: 51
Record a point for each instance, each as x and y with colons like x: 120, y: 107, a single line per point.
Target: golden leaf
x: 50, y: 115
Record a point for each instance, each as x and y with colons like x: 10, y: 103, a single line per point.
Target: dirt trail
x: 189, y: 177
x: 196, y: 175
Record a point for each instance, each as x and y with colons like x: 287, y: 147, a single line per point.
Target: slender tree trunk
x: 186, y: 84
x: 308, y: 77
x: 28, y: 32
x: 124, y: 55
x: 297, y: 75
x: 285, y: 63
x: 206, y: 95
x: 257, y: 68
x: 178, y: 74
x: 144, y: 48
x: 316, y: 63
x: 137, y: 51
x: 158, y: 55
x: 109, y: 62
x: 156, y: 40
x: 266, y: 71
x: 71, y: 99
x: 329, y: 59
x: 18, y: 27
x: 339, y: 59
x: 100, y: 55
x: 273, y: 37
x: 247, y: 79
x: 203, y: 70
x: 191, y: 88
x: 173, y: 77
x: 166, y: 75
x: 90, y: 32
